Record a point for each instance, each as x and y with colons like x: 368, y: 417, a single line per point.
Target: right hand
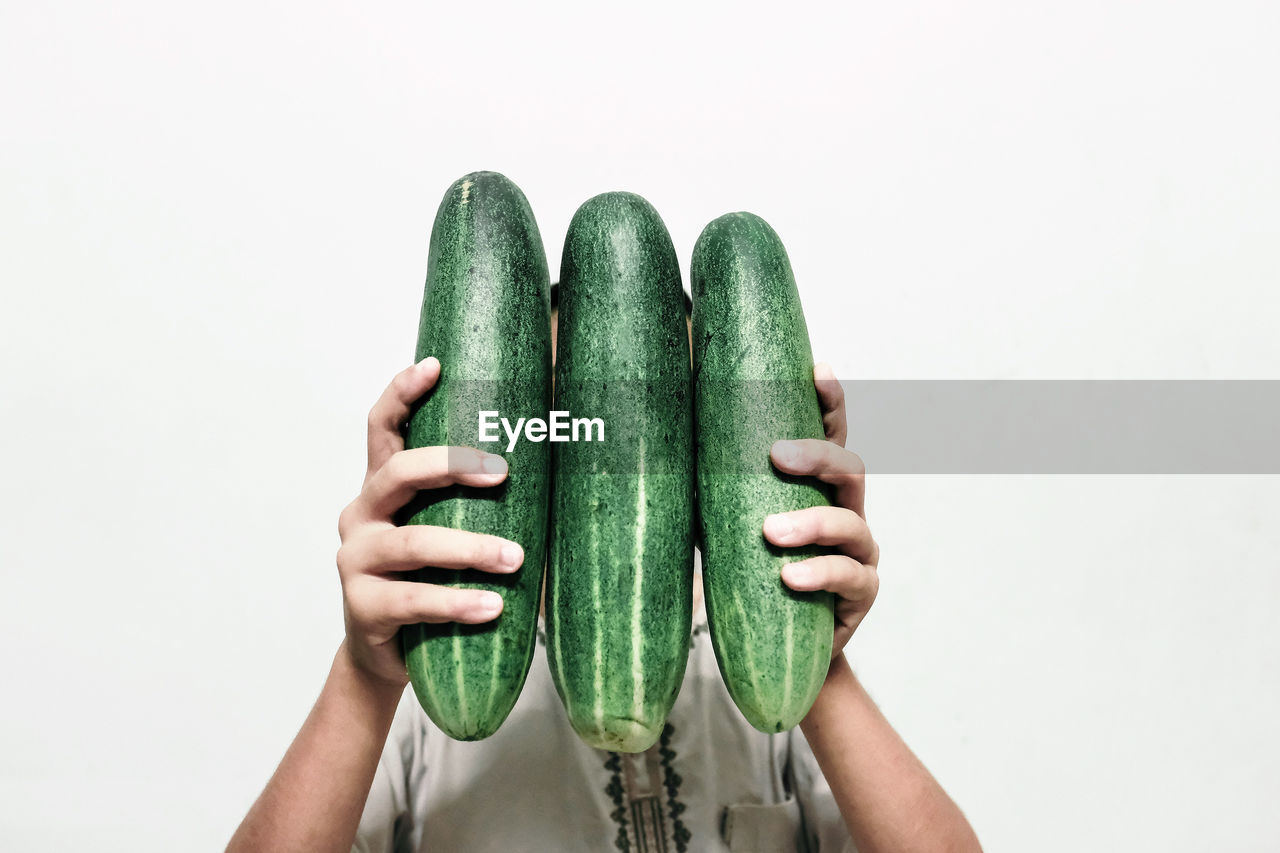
x: 374, y: 551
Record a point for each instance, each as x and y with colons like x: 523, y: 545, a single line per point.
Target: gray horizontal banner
x: 1065, y: 426
x: 967, y: 427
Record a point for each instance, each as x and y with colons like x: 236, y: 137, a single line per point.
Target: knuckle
x: 847, y: 466
x: 395, y: 466
x: 836, y: 566
x: 402, y: 384
x: 827, y: 453
x: 858, y: 528
x: 400, y: 467
x: 356, y: 558
x: 417, y: 600
x: 483, y: 551
x: 448, y: 603
x: 347, y: 520
x: 358, y: 607
x: 872, y: 585
x: 841, y: 574
x: 408, y: 543
x: 397, y: 608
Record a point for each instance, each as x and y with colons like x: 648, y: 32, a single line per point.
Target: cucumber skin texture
x: 753, y: 384
x: 623, y: 355
x: 486, y: 317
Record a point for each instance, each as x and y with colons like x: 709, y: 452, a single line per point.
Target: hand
x: 375, y: 550
x: 851, y: 574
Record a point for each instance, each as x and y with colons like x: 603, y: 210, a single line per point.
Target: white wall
x: 215, y: 223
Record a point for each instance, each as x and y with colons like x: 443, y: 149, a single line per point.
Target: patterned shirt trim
x: 650, y: 823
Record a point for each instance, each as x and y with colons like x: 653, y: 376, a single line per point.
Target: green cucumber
x: 620, y: 572
x: 753, y: 385
x: 486, y: 317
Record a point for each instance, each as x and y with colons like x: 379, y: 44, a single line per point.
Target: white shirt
x: 711, y: 783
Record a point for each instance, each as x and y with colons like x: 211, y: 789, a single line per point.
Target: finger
x: 406, y: 473
x: 831, y: 400
x: 842, y: 575
x: 823, y: 525
x: 842, y: 468
x: 391, y: 411
x: 415, y: 546
x: 386, y: 604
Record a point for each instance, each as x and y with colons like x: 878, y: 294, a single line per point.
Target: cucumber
x: 753, y: 385
x: 620, y: 571
x: 486, y: 316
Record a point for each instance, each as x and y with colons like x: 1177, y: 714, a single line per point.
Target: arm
x: 888, y: 799
x: 314, y: 800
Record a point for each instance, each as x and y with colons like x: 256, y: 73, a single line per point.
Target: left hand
x: 851, y: 574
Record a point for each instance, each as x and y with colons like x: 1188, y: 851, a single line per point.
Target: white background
x: 213, y: 235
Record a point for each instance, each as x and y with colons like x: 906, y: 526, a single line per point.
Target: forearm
x: 314, y: 800
x: 888, y: 799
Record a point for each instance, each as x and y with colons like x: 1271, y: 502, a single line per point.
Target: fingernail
x: 490, y: 602
x: 422, y: 365
x: 512, y: 555
x: 799, y: 574
x: 494, y: 464
x: 786, y: 452
x: 780, y: 527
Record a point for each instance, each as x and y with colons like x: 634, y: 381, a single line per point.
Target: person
x: 369, y: 772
